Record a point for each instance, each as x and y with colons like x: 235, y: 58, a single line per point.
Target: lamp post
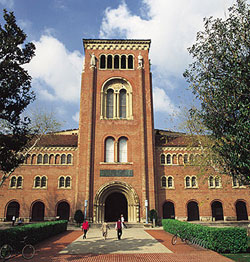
x: 85, y: 208
x: 146, y: 206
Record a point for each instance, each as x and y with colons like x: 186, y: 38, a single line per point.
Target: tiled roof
x: 58, y: 141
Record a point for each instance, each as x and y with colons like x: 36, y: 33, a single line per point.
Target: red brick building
x: 116, y: 161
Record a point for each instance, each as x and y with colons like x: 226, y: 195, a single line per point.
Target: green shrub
x: 223, y: 240
x: 35, y: 232
x: 79, y: 217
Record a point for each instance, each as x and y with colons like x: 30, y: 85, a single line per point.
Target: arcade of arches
x: 168, y: 209
x: 37, y: 210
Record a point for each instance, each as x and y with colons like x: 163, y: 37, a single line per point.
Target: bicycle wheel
x: 6, y: 251
x: 28, y: 251
x: 174, y: 239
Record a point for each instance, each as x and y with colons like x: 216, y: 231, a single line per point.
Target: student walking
x: 13, y: 220
x: 85, y: 228
x: 118, y: 227
x: 122, y: 220
x: 105, y: 228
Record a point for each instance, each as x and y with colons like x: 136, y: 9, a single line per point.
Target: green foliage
x: 223, y: 240
x: 79, y: 217
x: 153, y: 215
x: 35, y: 232
x: 15, y: 92
x: 219, y: 78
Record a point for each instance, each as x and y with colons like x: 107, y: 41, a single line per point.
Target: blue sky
x: 57, y: 28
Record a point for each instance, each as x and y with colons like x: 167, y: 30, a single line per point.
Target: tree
x: 220, y: 78
x: 79, y: 217
x: 15, y: 92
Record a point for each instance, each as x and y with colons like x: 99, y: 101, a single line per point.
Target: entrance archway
x: 193, y: 211
x: 168, y: 210
x: 217, y: 211
x: 115, y: 205
x: 107, y: 194
x: 241, y: 210
x: 63, y: 210
x: 37, y: 213
x: 12, y: 210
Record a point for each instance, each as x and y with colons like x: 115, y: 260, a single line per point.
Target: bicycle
x: 8, y: 252
x: 176, y: 235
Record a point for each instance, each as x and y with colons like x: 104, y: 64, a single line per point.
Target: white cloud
x: 56, y: 71
x: 162, y: 102
x: 76, y: 117
x: 7, y: 3
x: 172, y: 26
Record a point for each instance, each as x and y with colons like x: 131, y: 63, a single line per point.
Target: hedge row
x: 35, y: 232
x: 223, y: 240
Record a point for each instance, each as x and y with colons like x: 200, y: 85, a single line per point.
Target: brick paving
x: 49, y: 250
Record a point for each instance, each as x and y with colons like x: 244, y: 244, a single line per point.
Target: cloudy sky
x: 57, y: 28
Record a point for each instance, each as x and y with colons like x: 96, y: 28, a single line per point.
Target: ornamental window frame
x: 167, y: 182
x: 190, y: 182
x: 113, y: 107
x: 64, y: 182
x: 117, y: 62
x: 16, y: 182
x: 40, y: 182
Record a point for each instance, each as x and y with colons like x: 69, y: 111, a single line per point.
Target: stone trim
x: 106, y: 44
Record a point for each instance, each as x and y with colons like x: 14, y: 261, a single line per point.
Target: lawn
x: 240, y: 257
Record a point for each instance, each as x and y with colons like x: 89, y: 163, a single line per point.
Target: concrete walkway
x: 134, y: 240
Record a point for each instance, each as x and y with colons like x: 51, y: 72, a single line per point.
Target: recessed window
x: 109, y: 150
x: 162, y: 159
x: 110, y: 104
x: 191, y: 182
x: 122, y: 97
x: 122, y: 150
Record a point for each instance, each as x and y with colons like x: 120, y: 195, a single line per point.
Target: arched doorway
x: 12, y: 210
x: 37, y: 213
x: 106, y: 195
x: 217, y: 211
x: 63, y: 210
x: 168, y: 210
x: 193, y: 211
x: 115, y: 205
x: 241, y: 210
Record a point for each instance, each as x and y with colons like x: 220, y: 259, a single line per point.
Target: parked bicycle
x: 8, y: 252
x: 181, y: 236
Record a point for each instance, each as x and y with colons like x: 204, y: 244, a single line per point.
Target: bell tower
x: 116, y: 146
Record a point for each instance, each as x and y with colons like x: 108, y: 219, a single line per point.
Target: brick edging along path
x: 48, y: 251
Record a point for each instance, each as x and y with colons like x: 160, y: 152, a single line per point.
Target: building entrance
x: 115, y: 205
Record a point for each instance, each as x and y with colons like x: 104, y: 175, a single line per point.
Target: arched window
x: 122, y: 103
x: 217, y: 181
x: 110, y: 103
x: 162, y: 159
x: 122, y: 145
x: 110, y: 62
x: 109, y: 150
x: 180, y: 159
x: 194, y: 181
x: 185, y: 159
x: 130, y: 62
x: 45, y: 159
x: 187, y: 181
x: 37, y: 181
x: 13, y: 182
x: 163, y: 181
x: 61, y: 181
x: 116, y: 62
x: 63, y: 159
x: 44, y: 181
x: 51, y: 159
x: 67, y: 183
x: 174, y: 159
x: 69, y: 159
x: 103, y: 62
x: 39, y: 159
x: 57, y: 159
x: 170, y: 181
x: 33, y: 159
x: 123, y: 62
x: 191, y: 158
x: 168, y: 159
x: 19, y: 181
x: 211, y: 181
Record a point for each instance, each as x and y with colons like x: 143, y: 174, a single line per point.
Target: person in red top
x: 118, y: 227
x: 85, y: 228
